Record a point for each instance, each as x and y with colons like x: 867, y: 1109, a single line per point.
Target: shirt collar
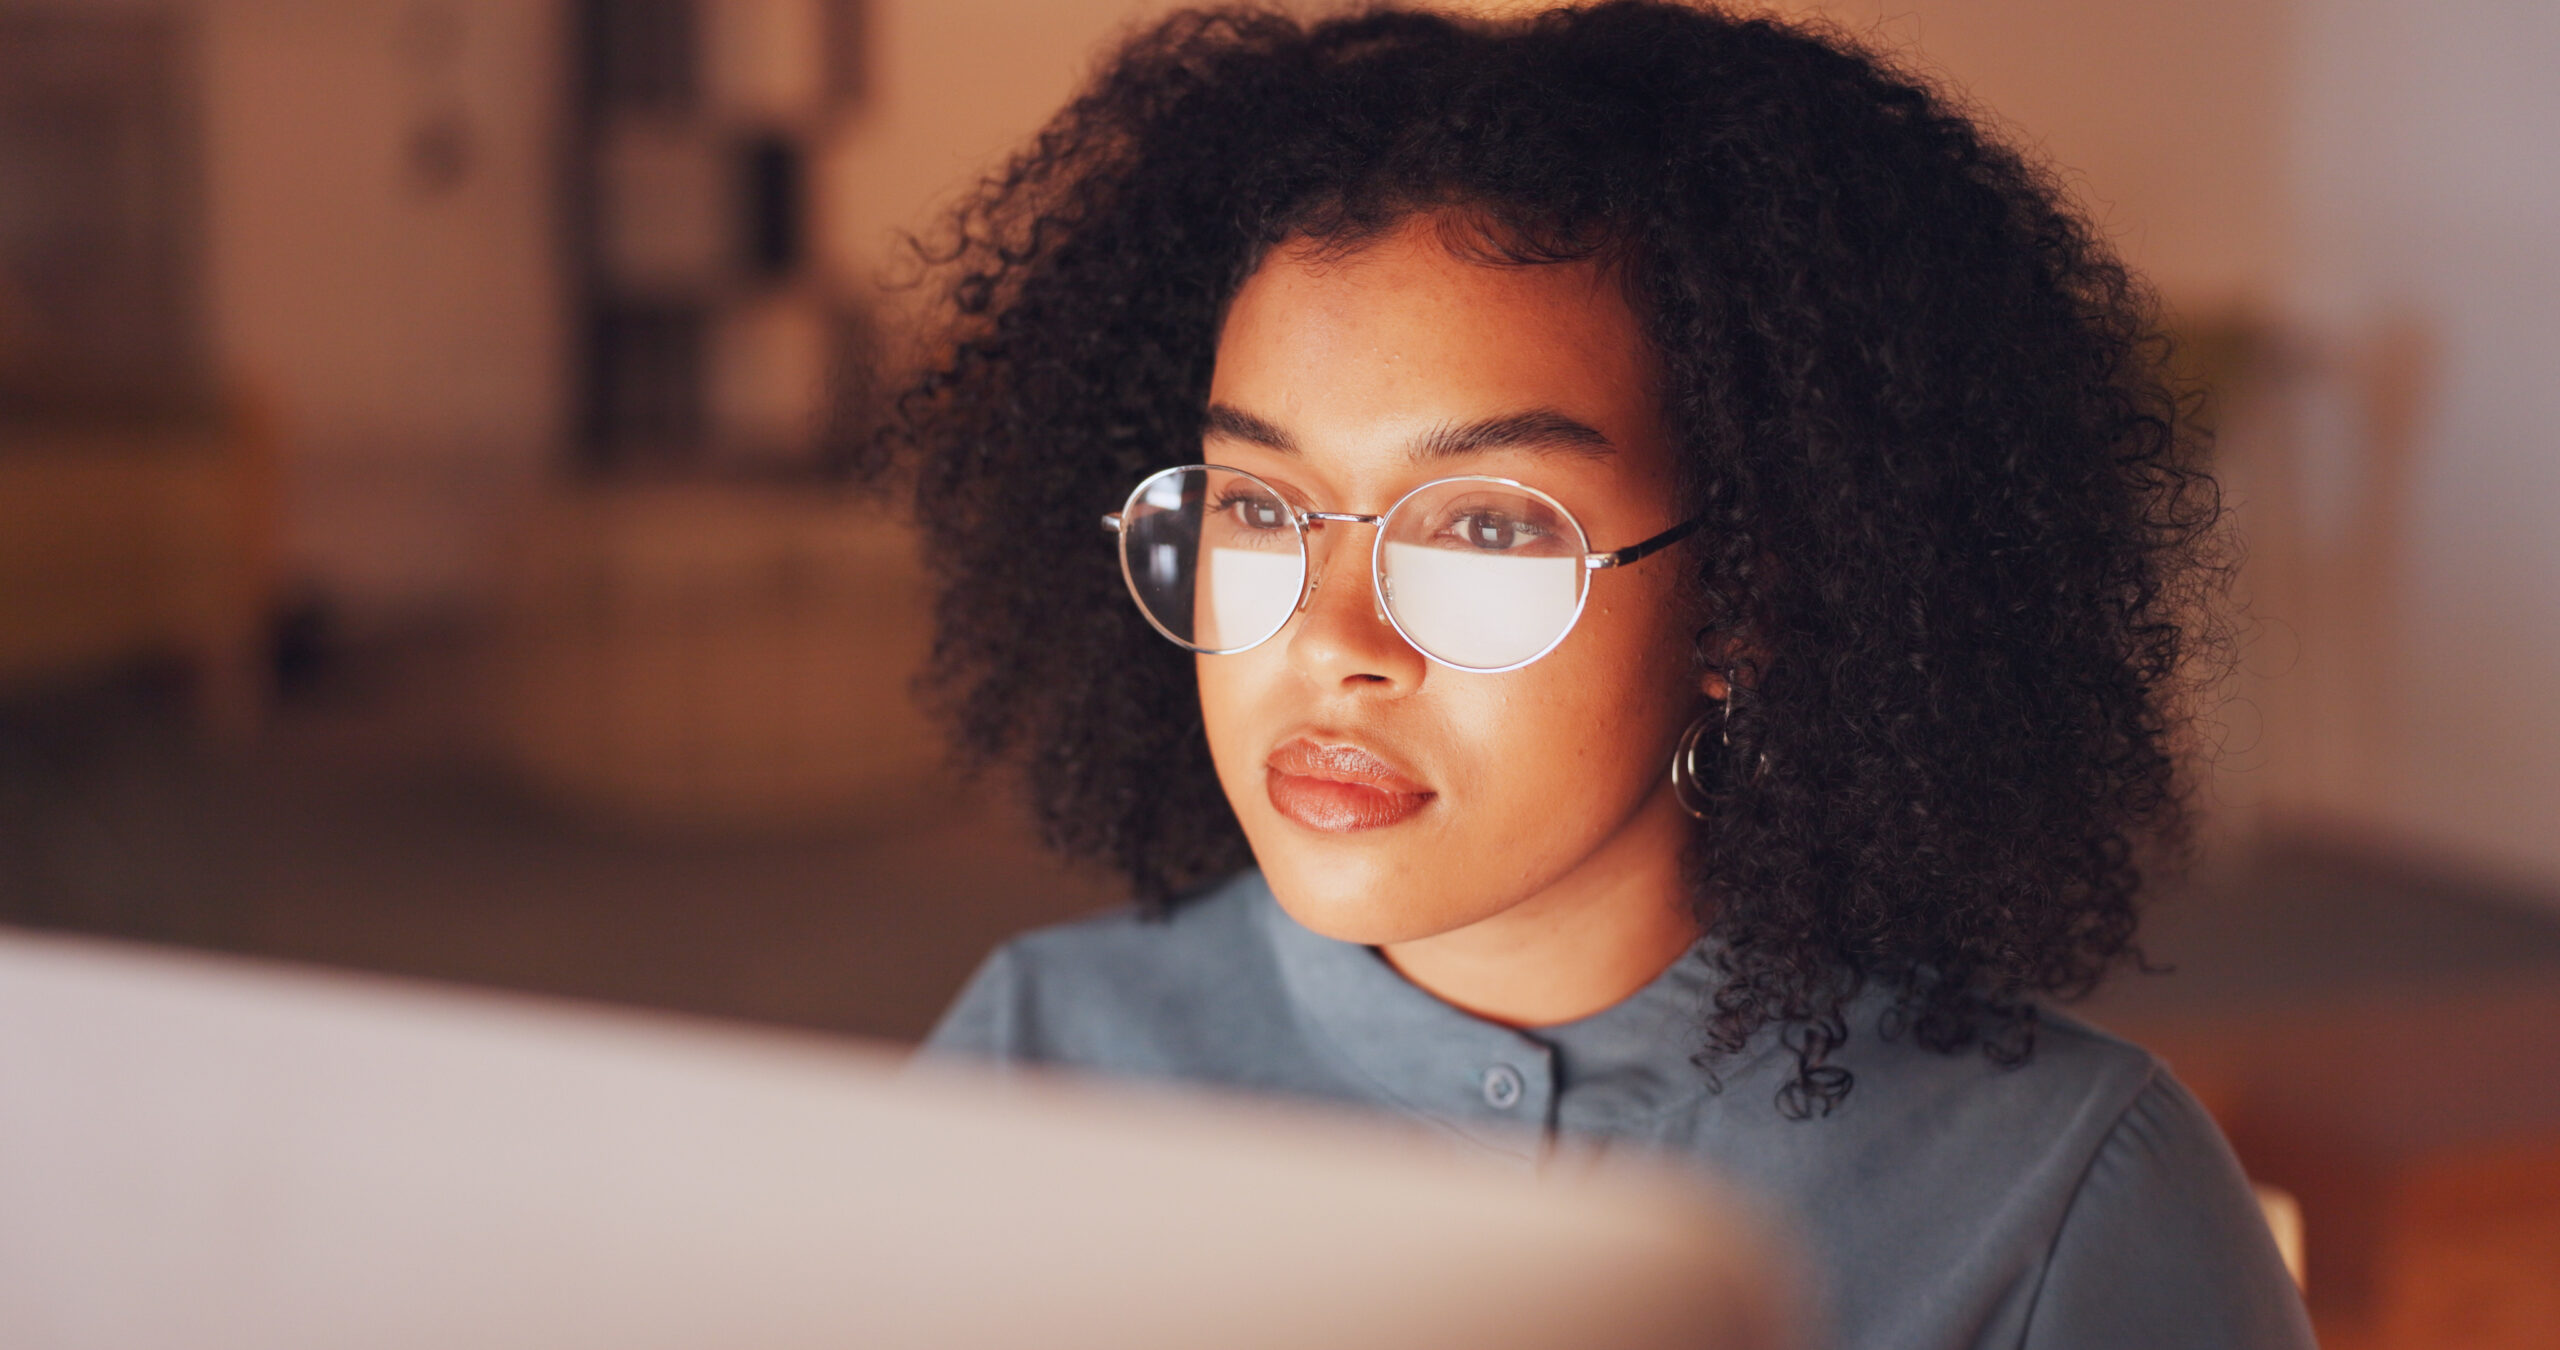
x: 1504, y: 1088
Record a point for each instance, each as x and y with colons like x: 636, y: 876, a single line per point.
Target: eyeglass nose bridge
x: 1314, y: 520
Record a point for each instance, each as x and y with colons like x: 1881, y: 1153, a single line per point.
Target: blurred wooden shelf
x: 126, y: 542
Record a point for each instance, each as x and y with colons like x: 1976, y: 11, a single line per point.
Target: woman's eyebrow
x: 1537, y: 429
x: 1237, y: 424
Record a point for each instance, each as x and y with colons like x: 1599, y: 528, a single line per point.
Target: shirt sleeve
x: 2164, y: 1245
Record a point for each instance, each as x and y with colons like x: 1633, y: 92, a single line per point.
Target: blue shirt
x: 2080, y: 1200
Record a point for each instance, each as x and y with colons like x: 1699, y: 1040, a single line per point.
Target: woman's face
x: 1388, y: 798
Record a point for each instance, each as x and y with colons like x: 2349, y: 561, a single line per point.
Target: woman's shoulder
x: 1986, y: 1130
x: 2071, y: 1084
x: 2162, y: 1240
x: 2097, y: 1201
x: 2073, y: 1074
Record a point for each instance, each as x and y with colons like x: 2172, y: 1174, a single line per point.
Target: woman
x: 1615, y: 577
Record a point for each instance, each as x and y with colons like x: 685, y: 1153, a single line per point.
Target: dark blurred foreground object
x: 204, y: 1152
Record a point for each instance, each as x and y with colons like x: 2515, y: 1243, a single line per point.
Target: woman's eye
x: 1256, y: 513
x: 1494, y: 531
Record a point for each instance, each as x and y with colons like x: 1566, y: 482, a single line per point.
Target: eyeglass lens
x: 1478, y: 574
x: 1481, y: 575
x: 1213, y: 556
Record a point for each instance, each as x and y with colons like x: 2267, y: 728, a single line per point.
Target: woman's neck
x: 1581, y: 945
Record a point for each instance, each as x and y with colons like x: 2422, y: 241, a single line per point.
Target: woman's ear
x: 1724, y: 659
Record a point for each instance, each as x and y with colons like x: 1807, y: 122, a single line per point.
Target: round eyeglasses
x: 1480, y: 574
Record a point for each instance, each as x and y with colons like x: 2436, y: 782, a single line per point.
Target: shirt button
x: 1502, y: 1087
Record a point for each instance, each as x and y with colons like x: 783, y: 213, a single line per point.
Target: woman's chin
x: 1366, y: 904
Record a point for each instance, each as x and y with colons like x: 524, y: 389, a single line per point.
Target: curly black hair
x: 1954, y: 505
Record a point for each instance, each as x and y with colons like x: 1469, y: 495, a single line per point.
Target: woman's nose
x: 1342, y: 636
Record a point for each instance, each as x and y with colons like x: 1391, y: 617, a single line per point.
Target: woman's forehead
x: 1403, y: 350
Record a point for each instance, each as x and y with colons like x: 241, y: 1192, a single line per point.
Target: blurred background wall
x: 380, y: 267
x: 2425, y: 171
x: 385, y: 264
x: 416, y: 550
x: 2364, y: 191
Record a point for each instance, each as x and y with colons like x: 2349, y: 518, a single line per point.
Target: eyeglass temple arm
x: 1639, y: 552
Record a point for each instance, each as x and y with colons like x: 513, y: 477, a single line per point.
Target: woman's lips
x: 1339, y: 789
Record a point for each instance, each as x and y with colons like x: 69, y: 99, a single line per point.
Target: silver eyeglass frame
x: 1302, y: 522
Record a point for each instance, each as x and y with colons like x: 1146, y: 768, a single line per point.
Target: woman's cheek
x: 1535, y: 769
